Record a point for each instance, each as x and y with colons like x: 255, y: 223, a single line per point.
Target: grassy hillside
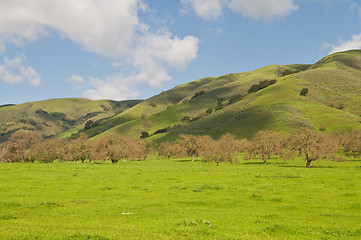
x: 333, y: 102
x: 55, y: 116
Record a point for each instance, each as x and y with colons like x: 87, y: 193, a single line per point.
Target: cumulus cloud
x: 13, y: 71
x: 263, y: 9
x: 105, y: 27
x: 110, y: 28
x: 354, y: 43
x: 207, y: 9
x: 116, y: 87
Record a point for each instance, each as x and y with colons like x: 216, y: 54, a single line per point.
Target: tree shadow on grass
x: 295, y: 166
x: 261, y: 163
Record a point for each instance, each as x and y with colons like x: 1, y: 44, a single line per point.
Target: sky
x: 134, y: 49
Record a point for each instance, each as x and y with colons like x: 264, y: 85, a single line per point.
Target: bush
x: 198, y: 94
x: 254, y: 88
x: 235, y: 99
x: 304, y: 92
x: 144, y: 135
x: 163, y: 130
x: 261, y: 85
x: 209, y: 110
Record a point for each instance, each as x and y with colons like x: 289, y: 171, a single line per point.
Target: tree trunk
x: 193, y: 158
x: 308, y: 163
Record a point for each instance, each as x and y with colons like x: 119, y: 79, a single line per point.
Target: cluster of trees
x: 311, y: 145
x: 26, y: 146
x: 261, y: 85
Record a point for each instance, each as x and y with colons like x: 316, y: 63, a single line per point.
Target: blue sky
x: 134, y: 49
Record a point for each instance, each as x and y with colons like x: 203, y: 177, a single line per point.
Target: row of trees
x: 29, y: 147
x: 309, y: 144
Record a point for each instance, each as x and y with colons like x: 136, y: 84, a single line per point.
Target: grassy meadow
x: 180, y: 199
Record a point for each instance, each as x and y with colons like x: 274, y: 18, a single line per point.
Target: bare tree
x: 191, y: 145
x: 265, y: 144
x: 17, y: 148
x: 352, y: 143
x: 313, y: 145
x: 219, y: 151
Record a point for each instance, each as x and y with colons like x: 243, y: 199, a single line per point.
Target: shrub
x: 144, y: 135
x: 209, y: 110
x: 253, y: 88
x: 304, y: 92
x: 234, y: 99
x: 198, y: 94
x: 163, y: 130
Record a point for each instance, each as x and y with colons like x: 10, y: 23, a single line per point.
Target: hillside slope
x: 55, y: 116
x: 333, y: 102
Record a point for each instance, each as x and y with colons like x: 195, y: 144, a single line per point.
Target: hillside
x: 333, y: 102
x: 55, y: 116
x: 239, y: 103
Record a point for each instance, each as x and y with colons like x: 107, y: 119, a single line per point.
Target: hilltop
x: 240, y: 103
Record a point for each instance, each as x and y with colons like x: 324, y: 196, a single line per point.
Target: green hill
x: 56, y: 116
x: 239, y: 103
x: 333, y: 102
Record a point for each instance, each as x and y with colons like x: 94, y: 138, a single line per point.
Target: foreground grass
x: 178, y: 199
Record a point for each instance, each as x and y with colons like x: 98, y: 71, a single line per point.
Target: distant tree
x: 190, y: 144
x: 313, y: 145
x: 17, y: 148
x: 186, y: 119
x: 48, y: 150
x: 209, y: 110
x: 253, y: 88
x: 162, y: 130
x: 265, y: 144
x: 144, y: 135
x: 352, y: 143
x: 219, y: 104
x: 198, y: 94
x: 88, y: 124
x: 114, y: 148
x: 304, y: 91
x: 80, y: 149
x: 171, y: 149
x: 219, y: 151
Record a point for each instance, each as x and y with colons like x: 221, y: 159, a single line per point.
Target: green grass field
x: 180, y: 199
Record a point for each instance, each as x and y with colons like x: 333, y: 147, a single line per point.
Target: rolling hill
x: 239, y: 103
x: 57, y: 116
x: 217, y: 105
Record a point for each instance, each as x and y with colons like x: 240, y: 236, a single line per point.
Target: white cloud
x: 13, y: 71
x: 254, y: 9
x: 105, y: 27
x: 75, y: 79
x: 174, y: 51
x: 110, y: 28
x: 115, y: 87
x: 263, y: 9
x: 354, y: 43
x: 207, y: 9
